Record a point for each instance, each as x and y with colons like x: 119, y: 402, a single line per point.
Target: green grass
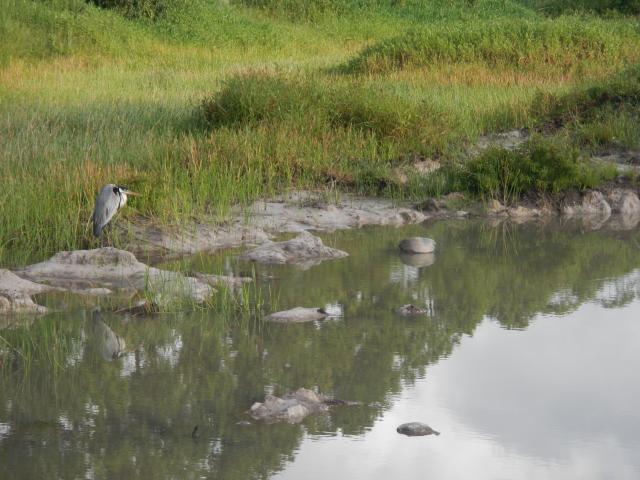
x: 208, y: 104
x: 564, y: 43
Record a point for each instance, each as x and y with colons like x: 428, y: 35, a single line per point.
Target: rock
x: 625, y: 202
x: 112, y: 268
x: 430, y: 205
x: 416, y: 429
x: 253, y: 225
x: 591, y: 203
x: 417, y: 259
x: 15, y: 294
x: 494, y: 207
x: 522, y: 212
x: 417, y: 245
x: 625, y: 162
x: 411, y: 310
x: 99, y: 292
x: 293, y: 407
x: 304, y: 250
x: 425, y: 167
x: 508, y: 140
x: 297, y: 315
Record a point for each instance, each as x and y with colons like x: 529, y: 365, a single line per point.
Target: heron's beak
x: 135, y: 194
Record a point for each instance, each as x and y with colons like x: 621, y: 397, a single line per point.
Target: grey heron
x: 110, y: 199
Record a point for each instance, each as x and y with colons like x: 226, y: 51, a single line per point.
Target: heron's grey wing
x: 107, y: 205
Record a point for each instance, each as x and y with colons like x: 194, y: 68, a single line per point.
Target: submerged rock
x: 304, y: 250
x: 416, y: 429
x: 297, y: 315
x: 112, y: 268
x: 293, y: 407
x: 410, y: 310
x: 417, y: 245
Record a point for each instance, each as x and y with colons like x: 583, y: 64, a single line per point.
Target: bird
x: 110, y: 199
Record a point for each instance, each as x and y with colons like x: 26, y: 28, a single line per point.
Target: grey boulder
x: 417, y: 245
x: 416, y: 429
x: 109, y: 268
x: 304, y: 250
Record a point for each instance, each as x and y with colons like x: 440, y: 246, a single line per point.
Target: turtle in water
x: 416, y: 429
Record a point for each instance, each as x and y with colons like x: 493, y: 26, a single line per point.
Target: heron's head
x: 123, y: 192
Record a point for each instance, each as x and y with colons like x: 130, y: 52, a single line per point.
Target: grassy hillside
x: 200, y: 104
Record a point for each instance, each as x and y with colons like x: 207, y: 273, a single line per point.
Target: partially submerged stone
x: 624, y: 202
x: 293, y: 407
x: 15, y: 294
x: 115, y: 269
x: 416, y: 429
x: 592, y: 203
x: 411, y: 310
x: 303, y: 250
x: 417, y: 245
x: 297, y: 315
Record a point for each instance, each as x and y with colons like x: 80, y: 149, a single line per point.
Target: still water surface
x: 527, y: 362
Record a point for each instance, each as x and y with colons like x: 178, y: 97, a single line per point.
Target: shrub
x: 539, y: 167
x: 251, y: 99
x: 151, y: 9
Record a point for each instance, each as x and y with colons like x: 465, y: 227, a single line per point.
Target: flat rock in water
x: 112, y: 268
x: 416, y: 429
x: 417, y: 245
x: 410, y: 310
x: 304, y: 250
x: 15, y: 294
x: 293, y: 407
x: 297, y: 315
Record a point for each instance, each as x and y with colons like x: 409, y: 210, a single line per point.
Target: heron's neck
x: 123, y: 199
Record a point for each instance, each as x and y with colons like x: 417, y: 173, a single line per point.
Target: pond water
x: 526, y: 361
